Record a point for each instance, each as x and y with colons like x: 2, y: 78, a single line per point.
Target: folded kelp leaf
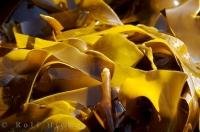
x: 85, y: 96
x: 30, y: 61
x: 99, y: 51
x: 193, y: 112
x: 58, y: 74
x: 35, y: 116
x: 24, y: 61
x: 49, y: 108
x: 78, y: 43
x: 75, y: 33
x: 55, y: 77
x: 29, y: 42
x: 134, y: 33
x: 91, y: 62
x: 100, y: 11
x: 161, y: 46
x: 97, y: 10
x: 91, y: 34
x: 119, y: 49
x: 78, y: 17
x: 163, y: 57
x: 178, y: 48
x: 52, y: 5
x: 180, y: 51
x: 55, y: 24
x: 187, y: 31
x: 187, y: 115
x: 143, y: 12
x: 157, y: 84
x: 182, y: 115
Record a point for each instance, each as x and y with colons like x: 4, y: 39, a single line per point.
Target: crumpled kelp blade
x: 92, y: 72
x: 157, y: 85
x: 124, y: 52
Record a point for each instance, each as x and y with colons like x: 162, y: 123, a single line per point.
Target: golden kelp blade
x: 38, y: 113
x: 119, y: 49
x: 76, y: 59
x: 62, y: 123
x: 159, y: 45
x: 55, y: 24
x: 127, y: 30
x: 23, y: 60
x: 186, y: 30
x: 157, y: 85
x: 62, y: 107
x: 18, y: 55
x: 75, y: 33
x: 91, y: 62
x: 85, y: 96
x: 89, y: 32
x: 177, y: 47
x: 180, y: 51
x: 121, y: 73
x: 64, y: 77
x: 193, y: 112
x: 25, y: 41
x: 100, y: 11
x: 78, y: 43
x: 91, y: 36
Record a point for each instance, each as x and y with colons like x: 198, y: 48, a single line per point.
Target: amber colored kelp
x: 95, y: 73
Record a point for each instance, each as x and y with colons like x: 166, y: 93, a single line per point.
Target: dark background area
x: 6, y: 7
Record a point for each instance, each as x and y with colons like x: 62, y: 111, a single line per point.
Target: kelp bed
x: 75, y: 66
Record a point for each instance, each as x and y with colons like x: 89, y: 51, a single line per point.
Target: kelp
x: 80, y: 95
x: 41, y: 115
x: 188, y: 66
x: 187, y: 31
x: 54, y: 24
x: 123, y: 52
x: 66, y: 122
x: 95, y: 9
x: 143, y: 12
x: 93, y: 72
x: 104, y: 108
x: 52, y: 5
x: 25, y: 41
